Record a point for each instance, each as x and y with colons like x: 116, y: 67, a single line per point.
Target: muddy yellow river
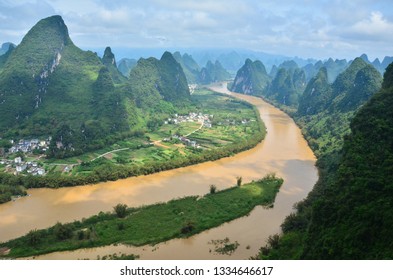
x: 284, y: 152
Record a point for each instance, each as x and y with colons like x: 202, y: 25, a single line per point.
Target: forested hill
x: 325, y: 110
x: 251, y: 78
x: 109, y: 61
x: 190, y: 67
x: 154, y: 81
x: 43, y: 76
x: 354, y: 219
x: 213, y: 73
x: 349, y: 214
x: 50, y: 87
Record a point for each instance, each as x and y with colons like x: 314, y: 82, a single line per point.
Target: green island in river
x: 150, y: 224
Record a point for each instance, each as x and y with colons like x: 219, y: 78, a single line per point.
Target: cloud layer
x: 306, y: 28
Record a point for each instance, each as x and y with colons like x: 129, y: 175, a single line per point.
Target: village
x: 21, y: 149
x: 203, y: 119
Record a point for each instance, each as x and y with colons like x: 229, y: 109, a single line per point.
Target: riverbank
x: 284, y: 151
x: 150, y: 224
x: 237, y: 127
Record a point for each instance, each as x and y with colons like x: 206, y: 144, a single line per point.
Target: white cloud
x: 376, y: 27
x: 301, y: 27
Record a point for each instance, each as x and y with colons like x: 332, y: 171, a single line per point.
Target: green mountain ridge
x: 5, y: 47
x: 4, y: 57
x: 190, y: 67
x: 287, y: 86
x: 251, y: 79
x: 125, y: 66
x: 212, y: 73
x: 50, y: 87
x: 346, y: 215
x: 109, y: 61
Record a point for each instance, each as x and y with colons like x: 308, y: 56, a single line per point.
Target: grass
x: 153, y: 223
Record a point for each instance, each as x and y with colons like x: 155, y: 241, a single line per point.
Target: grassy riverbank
x: 150, y: 224
x: 234, y: 126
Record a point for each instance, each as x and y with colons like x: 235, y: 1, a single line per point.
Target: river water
x: 284, y: 151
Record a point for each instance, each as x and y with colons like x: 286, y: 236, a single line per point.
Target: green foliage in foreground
x: 150, y: 224
x: 348, y: 215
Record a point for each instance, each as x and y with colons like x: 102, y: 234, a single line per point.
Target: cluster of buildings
x: 203, y: 119
x: 28, y: 146
x: 191, y: 117
x: 18, y: 166
x: 186, y: 141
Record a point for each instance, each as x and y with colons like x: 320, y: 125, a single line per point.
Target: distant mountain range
x: 212, y: 72
x: 5, y: 47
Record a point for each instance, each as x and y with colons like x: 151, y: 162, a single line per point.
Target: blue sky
x: 317, y: 29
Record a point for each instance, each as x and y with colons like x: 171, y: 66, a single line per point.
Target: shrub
x: 33, y: 237
x: 188, y: 228
x: 63, y: 232
x: 213, y: 189
x: 239, y: 181
x: 120, y: 210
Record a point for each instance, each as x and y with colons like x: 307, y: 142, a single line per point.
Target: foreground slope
x: 348, y: 214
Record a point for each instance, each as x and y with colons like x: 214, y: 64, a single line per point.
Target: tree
x: 120, y: 210
x: 213, y: 189
x: 239, y: 180
x: 63, y: 231
x: 33, y: 237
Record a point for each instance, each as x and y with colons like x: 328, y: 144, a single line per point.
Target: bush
x: 33, y: 237
x: 239, y: 181
x: 213, y: 189
x: 120, y: 226
x: 81, y: 235
x: 188, y: 228
x: 120, y: 210
x: 63, y: 232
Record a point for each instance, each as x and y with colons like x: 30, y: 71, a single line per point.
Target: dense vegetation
x: 190, y: 67
x: 325, y: 110
x: 150, y: 224
x: 251, y: 79
x: 212, y: 73
x: 284, y: 85
x: 109, y: 61
x: 348, y: 214
x: 7, y: 192
x: 287, y: 86
x: 50, y: 87
x: 227, y: 136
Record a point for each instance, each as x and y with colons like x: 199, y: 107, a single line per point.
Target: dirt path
x: 113, y: 151
x: 199, y: 128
